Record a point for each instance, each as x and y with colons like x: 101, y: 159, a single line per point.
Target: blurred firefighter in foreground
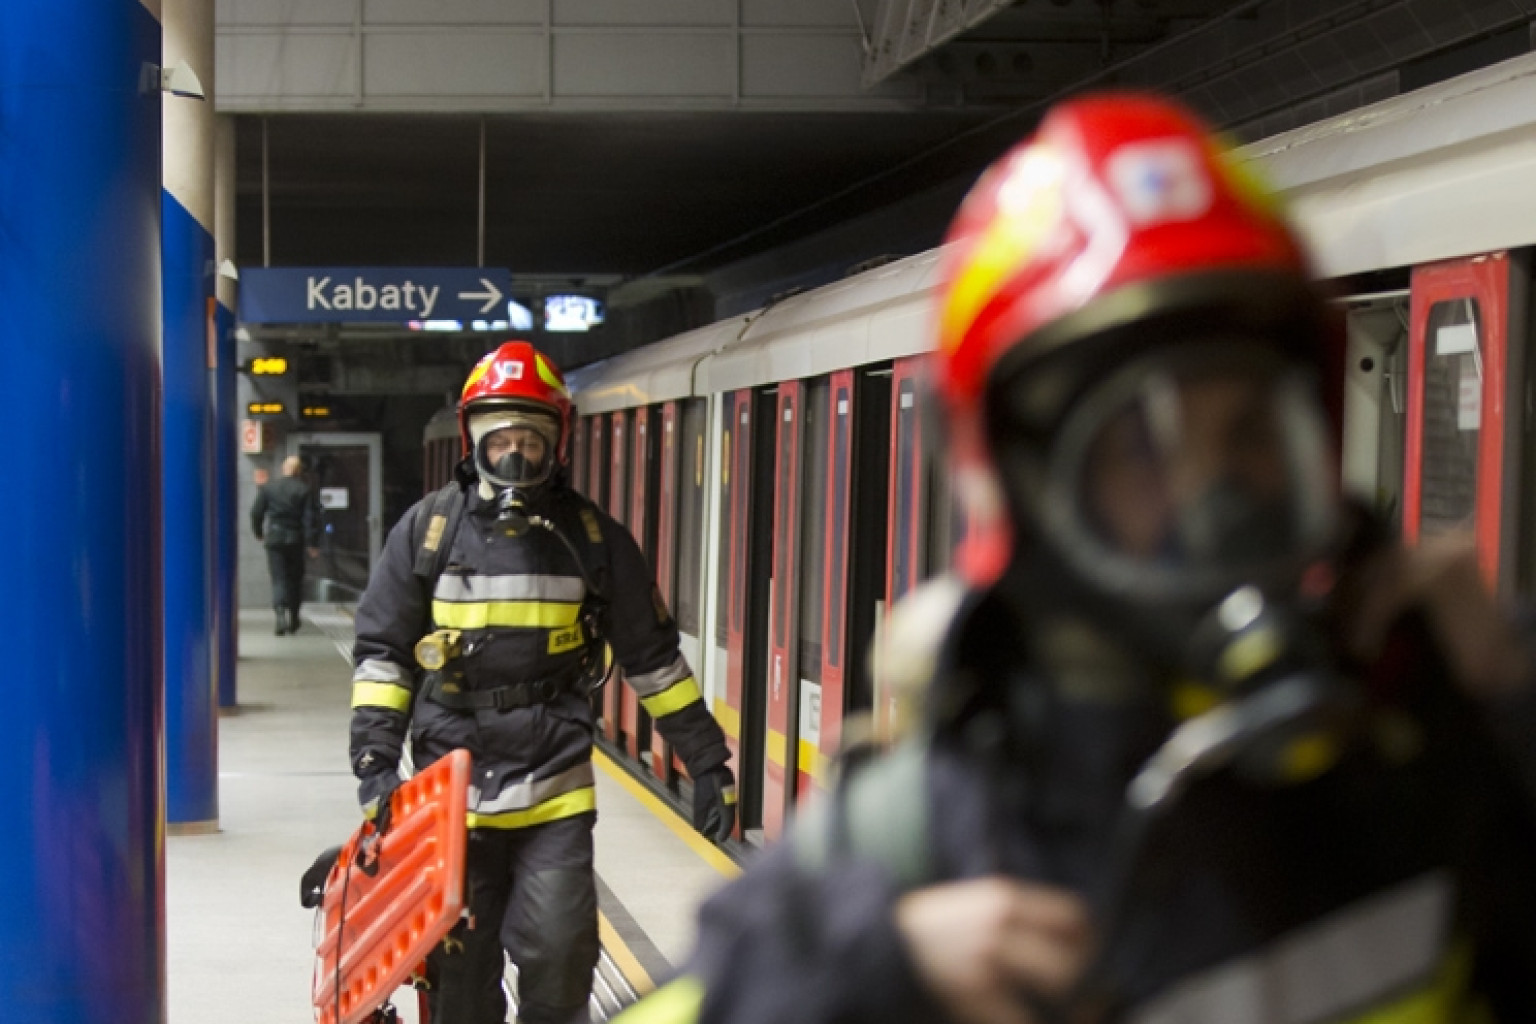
x: 1199, y: 745
x: 483, y: 627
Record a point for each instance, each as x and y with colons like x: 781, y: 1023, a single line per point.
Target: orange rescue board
x: 395, y: 916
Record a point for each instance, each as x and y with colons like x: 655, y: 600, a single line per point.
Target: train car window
x: 841, y: 426
x: 1453, y: 417
x: 725, y: 608
x: 781, y: 568
x: 903, y: 572
x: 813, y: 529
x: 690, y: 514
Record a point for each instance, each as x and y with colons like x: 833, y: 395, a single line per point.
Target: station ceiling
x: 628, y: 194
x: 595, y: 194
x: 609, y: 198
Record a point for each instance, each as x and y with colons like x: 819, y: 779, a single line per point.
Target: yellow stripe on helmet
x: 548, y: 375
x: 1029, y: 204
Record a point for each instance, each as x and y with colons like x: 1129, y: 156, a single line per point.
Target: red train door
x: 633, y: 721
x: 597, y: 457
x: 781, y: 721
x: 907, y: 511
x: 907, y: 515
x: 618, y: 507
x: 1458, y: 457
x: 823, y: 703
x: 735, y: 547
x: 666, y: 557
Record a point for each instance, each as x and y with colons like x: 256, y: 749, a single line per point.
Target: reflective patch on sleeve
x: 673, y: 698
x: 677, y: 1002
x: 589, y: 520
x: 562, y: 640
x: 434, y: 532
x: 380, y: 695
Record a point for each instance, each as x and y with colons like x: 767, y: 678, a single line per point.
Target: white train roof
x: 1444, y: 171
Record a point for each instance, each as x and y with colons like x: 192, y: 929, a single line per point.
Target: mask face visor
x: 1186, y: 476
x: 514, y: 448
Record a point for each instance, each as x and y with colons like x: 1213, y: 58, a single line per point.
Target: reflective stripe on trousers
x: 525, y: 804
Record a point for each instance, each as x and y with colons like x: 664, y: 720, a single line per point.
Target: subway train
x: 777, y: 469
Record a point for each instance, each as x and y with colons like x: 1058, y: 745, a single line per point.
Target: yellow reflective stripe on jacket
x: 567, y: 805
x: 1444, y: 999
x: 515, y: 614
x: 674, y: 698
x: 367, y: 694
x: 677, y: 1002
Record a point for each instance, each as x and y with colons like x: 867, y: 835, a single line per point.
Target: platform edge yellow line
x: 706, y: 850
x: 638, y: 977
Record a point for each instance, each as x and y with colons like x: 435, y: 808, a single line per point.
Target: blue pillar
x: 187, y: 351
x: 227, y: 510
x: 82, y: 930
x: 226, y: 459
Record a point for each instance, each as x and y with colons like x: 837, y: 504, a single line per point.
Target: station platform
x: 237, y: 939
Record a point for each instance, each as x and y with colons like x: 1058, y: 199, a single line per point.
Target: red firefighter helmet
x: 517, y: 378
x: 1121, y: 207
x: 1099, y: 278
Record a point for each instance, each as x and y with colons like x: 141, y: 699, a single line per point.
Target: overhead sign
x: 571, y: 313
x: 298, y: 295
x: 269, y: 366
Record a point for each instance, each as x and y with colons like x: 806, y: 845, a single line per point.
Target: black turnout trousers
x: 532, y: 892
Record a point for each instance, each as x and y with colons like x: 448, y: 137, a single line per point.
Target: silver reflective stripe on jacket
x: 1363, y: 956
x: 520, y: 587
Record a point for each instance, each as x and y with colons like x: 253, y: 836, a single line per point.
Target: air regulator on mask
x: 1278, y: 710
x: 512, y: 513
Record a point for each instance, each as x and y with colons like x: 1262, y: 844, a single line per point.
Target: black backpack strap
x: 590, y: 549
x: 433, y: 532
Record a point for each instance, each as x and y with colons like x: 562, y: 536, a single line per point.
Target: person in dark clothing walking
x: 483, y: 627
x: 286, y: 520
x: 1200, y: 744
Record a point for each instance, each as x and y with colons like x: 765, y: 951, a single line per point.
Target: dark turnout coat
x: 1400, y: 886
x: 523, y: 607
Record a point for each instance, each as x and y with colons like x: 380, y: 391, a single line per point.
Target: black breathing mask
x: 513, y: 500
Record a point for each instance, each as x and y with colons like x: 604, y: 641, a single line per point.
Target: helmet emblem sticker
x: 505, y: 370
x: 1160, y: 181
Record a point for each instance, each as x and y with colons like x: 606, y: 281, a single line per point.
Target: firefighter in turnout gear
x: 1200, y: 744
x: 482, y: 627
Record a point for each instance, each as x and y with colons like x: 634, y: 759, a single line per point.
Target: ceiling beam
x: 907, y: 30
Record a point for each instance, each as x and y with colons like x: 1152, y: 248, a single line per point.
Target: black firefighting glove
x: 373, y: 793
x: 714, y: 803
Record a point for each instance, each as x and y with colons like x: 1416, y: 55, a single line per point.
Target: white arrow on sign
x: 491, y: 295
